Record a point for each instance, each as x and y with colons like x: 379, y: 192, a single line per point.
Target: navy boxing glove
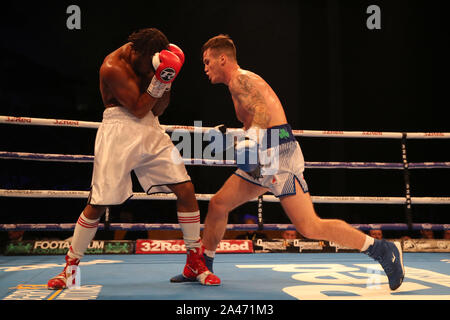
x: 246, y: 155
x: 217, y: 137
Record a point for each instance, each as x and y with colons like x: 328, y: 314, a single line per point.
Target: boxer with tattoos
x: 267, y: 134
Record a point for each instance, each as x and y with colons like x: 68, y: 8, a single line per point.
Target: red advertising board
x: 177, y: 246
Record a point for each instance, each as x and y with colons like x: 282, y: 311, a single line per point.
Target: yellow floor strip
x: 30, y: 286
x: 55, y: 294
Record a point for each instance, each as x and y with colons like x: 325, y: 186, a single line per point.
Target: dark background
x: 329, y: 70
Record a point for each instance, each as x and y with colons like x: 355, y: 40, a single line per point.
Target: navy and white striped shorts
x: 279, y: 173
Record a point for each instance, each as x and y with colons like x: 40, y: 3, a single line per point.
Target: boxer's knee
x: 218, y: 206
x: 94, y: 211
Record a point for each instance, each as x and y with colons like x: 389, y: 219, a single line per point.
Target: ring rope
x: 74, y: 194
x: 170, y: 128
x: 305, y: 133
x: 233, y: 227
x: 229, y: 163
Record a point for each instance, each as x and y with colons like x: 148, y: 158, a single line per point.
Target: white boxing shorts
x: 279, y: 145
x: 125, y: 143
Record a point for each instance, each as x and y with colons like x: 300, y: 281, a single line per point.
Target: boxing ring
x: 287, y: 276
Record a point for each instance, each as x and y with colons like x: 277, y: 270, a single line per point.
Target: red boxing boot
x: 60, y: 281
x: 196, y: 270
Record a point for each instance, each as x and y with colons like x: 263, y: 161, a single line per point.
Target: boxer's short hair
x: 222, y: 44
x: 148, y: 41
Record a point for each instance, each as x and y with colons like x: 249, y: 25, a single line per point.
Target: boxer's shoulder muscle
x: 114, y: 69
x: 118, y: 83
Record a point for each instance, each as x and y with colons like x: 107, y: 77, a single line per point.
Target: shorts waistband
x: 277, y: 135
x: 115, y: 113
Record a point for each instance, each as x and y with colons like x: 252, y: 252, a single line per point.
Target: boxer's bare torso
x: 255, y: 103
x: 124, y: 77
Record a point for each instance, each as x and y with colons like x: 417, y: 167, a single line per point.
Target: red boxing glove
x: 176, y: 49
x: 166, y: 65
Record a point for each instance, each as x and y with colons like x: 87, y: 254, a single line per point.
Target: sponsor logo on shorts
x: 284, y: 134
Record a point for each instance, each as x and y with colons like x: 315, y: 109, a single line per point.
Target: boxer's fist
x: 246, y: 155
x: 180, y: 54
x: 167, y: 65
x: 217, y: 137
x: 176, y: 49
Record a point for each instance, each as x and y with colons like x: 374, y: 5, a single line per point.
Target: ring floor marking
x: 266, y: 276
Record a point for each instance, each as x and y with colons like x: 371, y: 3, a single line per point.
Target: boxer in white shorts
x: 135, y: 83
x: 258, y: 108
x: 125, y: 143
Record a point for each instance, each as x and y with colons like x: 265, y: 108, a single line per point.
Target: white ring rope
x: 170, y: 128
x: 206, y: 197
x: 235, y: 227
x: 229, y: 163
x: 90, y: 159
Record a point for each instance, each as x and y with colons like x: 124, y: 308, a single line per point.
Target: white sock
x: 190, y: 225
x: 369, y: 241
x: 83, y: 234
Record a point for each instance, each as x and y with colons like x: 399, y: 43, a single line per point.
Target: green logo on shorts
x: 284, y: 134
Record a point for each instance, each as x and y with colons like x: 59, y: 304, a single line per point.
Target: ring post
x: 408, y: 208
x: 260, y: 217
